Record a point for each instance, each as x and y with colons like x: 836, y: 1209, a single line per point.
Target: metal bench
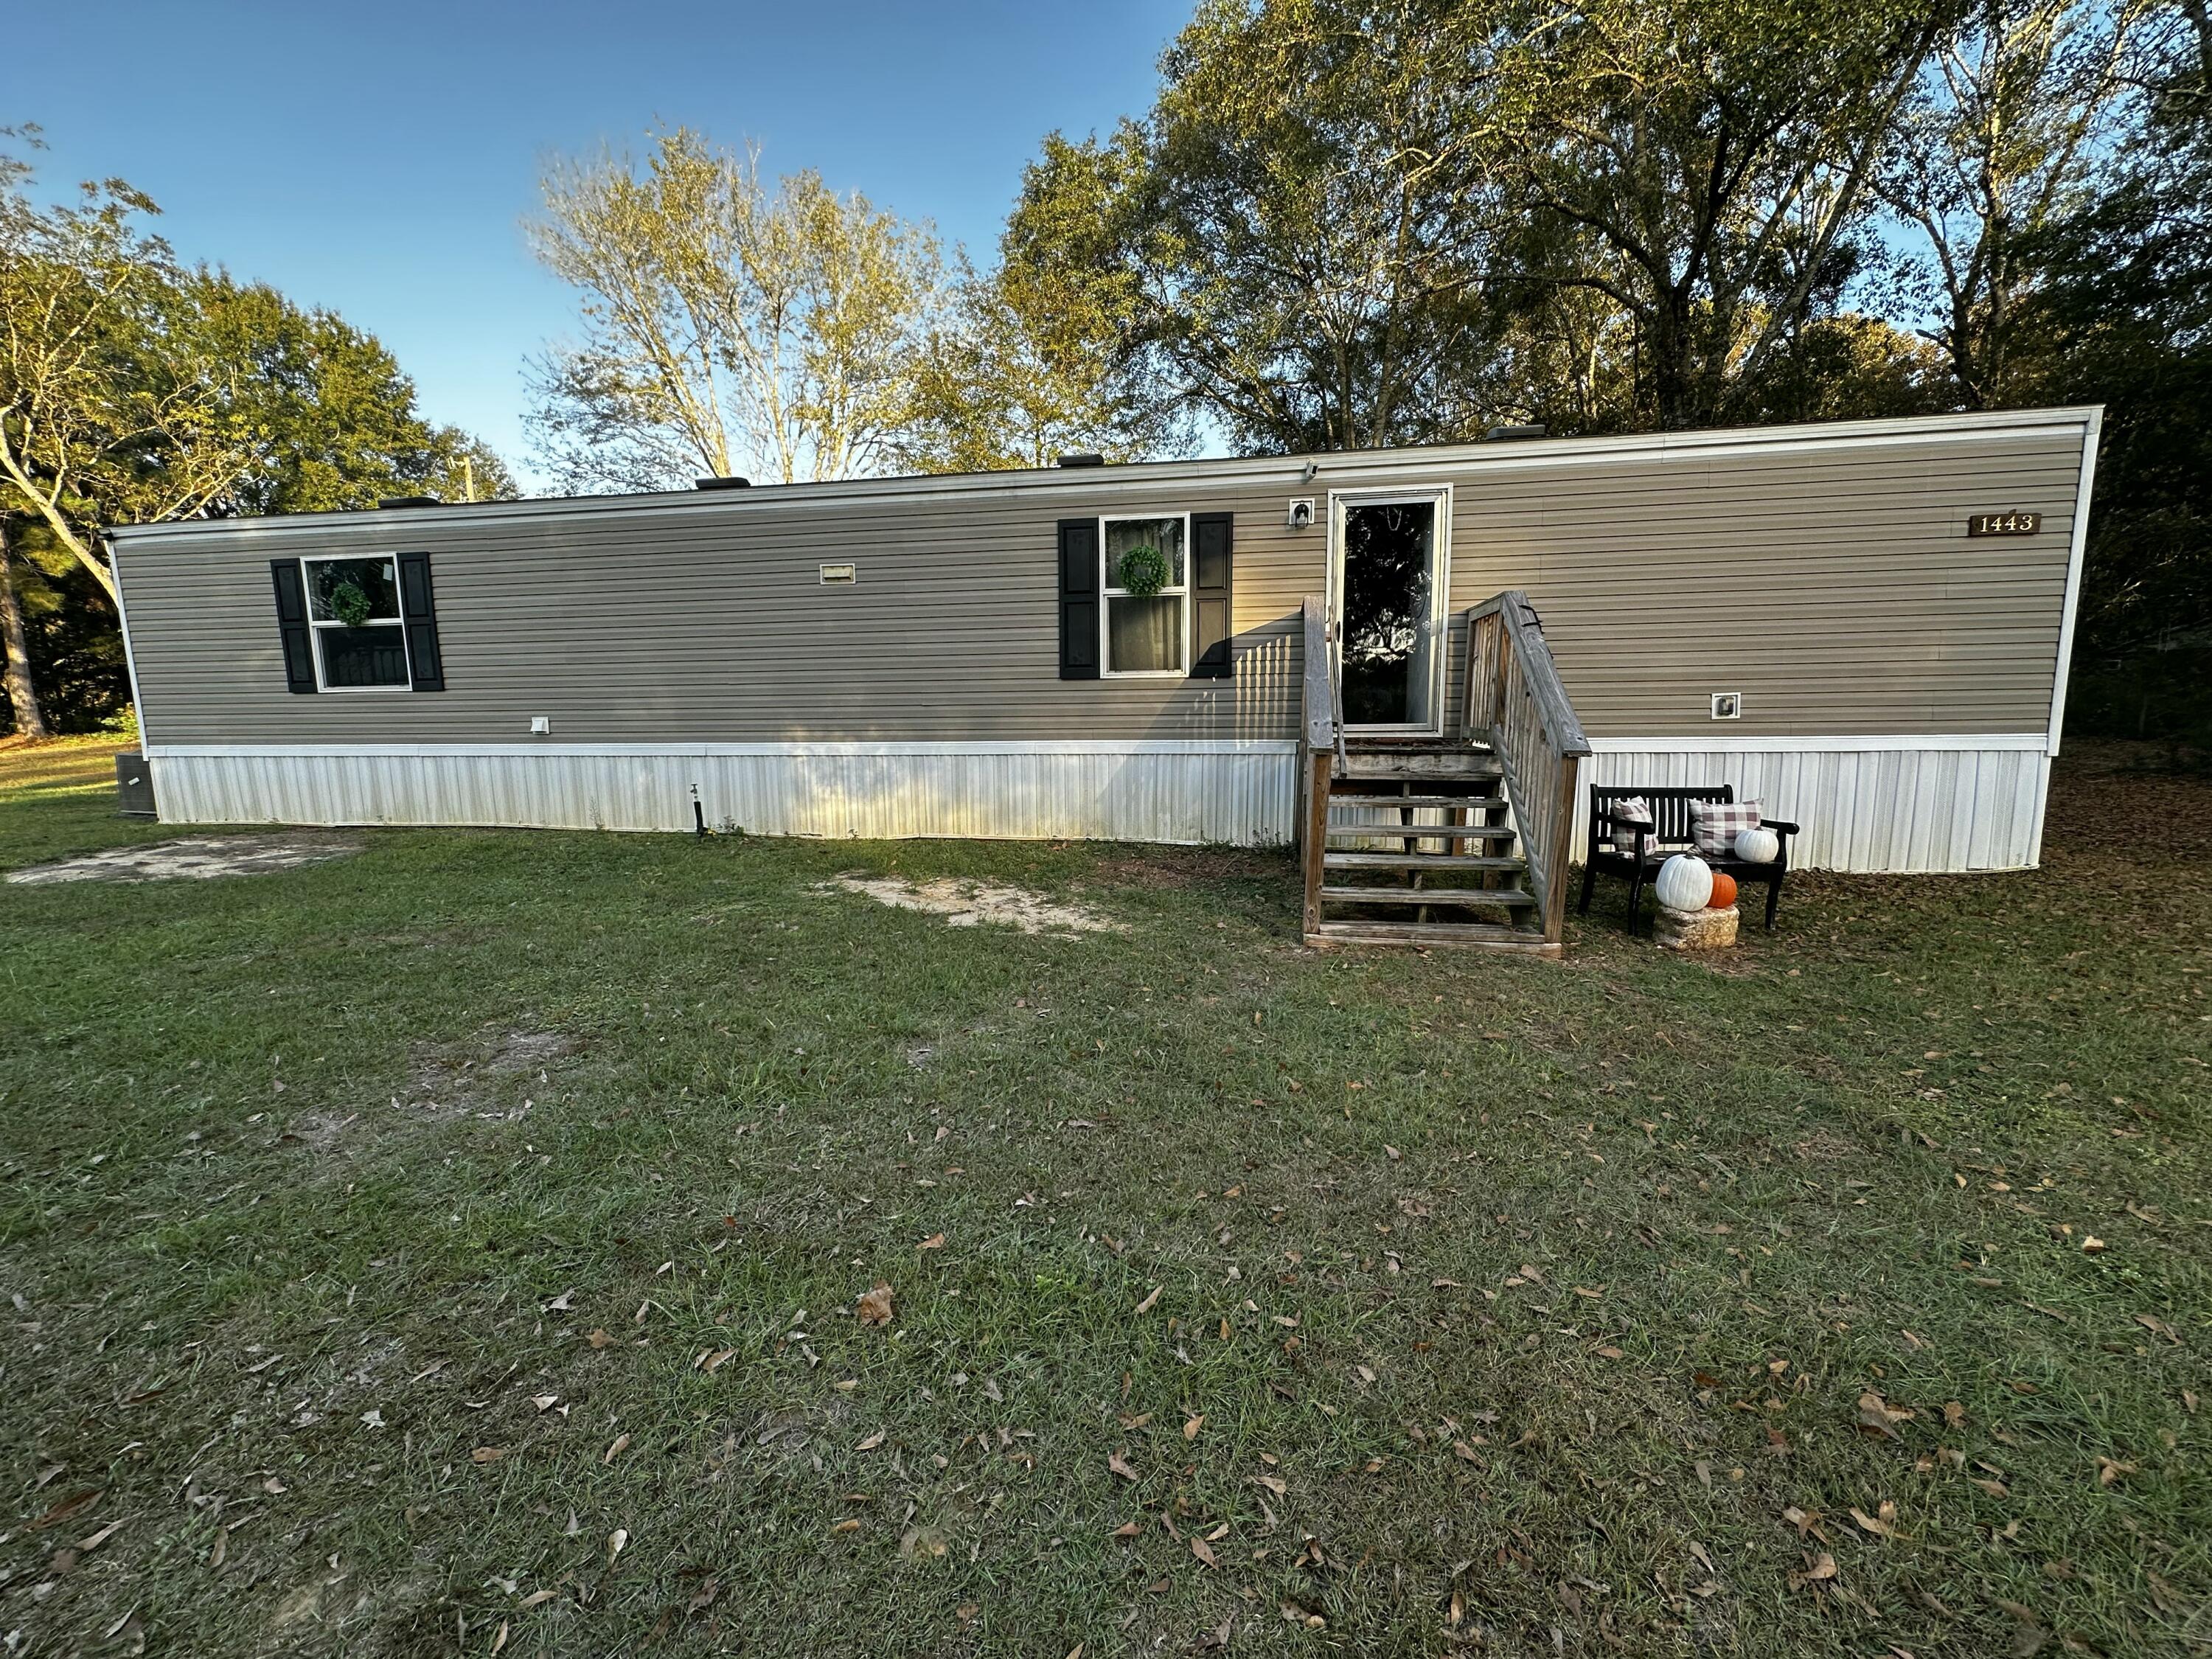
x: 1668, y: 835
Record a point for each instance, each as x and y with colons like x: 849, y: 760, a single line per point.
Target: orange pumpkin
x: 1723, y: 891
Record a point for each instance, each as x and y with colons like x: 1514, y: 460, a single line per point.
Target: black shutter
x: 1211, y: 655
x: 423, y: 663
x: 291, y: 624
x: 1078, y: 599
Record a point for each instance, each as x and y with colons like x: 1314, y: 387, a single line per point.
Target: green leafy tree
x: 1289, y: 248
x: 2007, y: 133
x: 1002, y: 381
x: 1705, y: 166
x: 334, y: 421
x: 133, y: 389
x: 2123, y: 315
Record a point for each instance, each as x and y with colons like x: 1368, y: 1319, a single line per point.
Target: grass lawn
x: 455, y: 1248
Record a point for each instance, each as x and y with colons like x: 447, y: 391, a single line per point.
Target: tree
x: 1000, y: 381
x: 133, y: 389
x: 724, y: 326
x: 111, y: 405
x: 1291, y: 247
x: 2122, y: 315
x: 15, y: 681
x: 2003, y: 136
x: 1704, y: 165
x: 333, y: 421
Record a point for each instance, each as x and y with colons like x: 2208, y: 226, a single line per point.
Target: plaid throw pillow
x: 1714, y: 824
x: 1634, y: 810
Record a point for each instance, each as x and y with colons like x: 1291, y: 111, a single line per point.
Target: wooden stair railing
x: 1516, y: 703
x: 1320, y: 740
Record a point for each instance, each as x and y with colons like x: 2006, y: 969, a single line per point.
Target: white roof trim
x: 1094, y: 484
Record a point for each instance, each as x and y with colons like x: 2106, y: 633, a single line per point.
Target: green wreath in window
x: 1143, y: 572
x: 350, y: 603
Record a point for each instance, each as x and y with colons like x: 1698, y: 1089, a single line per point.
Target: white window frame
x: 1107, y: 593
x: 314, y: 641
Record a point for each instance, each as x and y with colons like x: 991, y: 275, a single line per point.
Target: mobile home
x: 1865, y: 625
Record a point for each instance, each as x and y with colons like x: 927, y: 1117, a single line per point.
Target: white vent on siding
x: 840, y: 575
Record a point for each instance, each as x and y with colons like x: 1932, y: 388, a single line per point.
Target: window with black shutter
x: 358, y: 623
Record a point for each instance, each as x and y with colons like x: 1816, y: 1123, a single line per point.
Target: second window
x: 1147, y: 587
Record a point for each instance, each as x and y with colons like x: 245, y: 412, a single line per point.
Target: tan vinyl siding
x: 1836, y: 589
x: 1830, y: 581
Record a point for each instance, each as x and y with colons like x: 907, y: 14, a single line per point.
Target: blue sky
x: 378, y: 159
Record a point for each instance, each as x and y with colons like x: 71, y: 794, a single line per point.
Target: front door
x: 1387, y: 601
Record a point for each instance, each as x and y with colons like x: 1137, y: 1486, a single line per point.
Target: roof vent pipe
x: 1086, y: 458
x: 409, y: 501
x: 1506, y: 434
x: 721, y: 484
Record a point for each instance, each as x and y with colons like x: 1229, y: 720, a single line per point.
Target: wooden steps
x: 1427, y: 934
x: 1424, y: 861
x: 1509, y: 898
x: 1414, y: 802
x: 1373, y: 888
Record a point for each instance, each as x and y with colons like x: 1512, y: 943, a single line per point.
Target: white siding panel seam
x: 1231, y: 792
x: 1880, y: 807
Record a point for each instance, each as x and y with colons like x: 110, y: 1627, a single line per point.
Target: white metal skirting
x: 1195, y: 792
x: 1871, y: 804
x: 1885, y: 808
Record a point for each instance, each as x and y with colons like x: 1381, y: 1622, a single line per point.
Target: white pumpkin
x: 1686, y: 883
x: 1758, y: 846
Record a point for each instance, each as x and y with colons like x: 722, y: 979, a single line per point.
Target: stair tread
x: 1423, y: 831
x: 1473, y: 774
x: 1477, y: 933
x: 1510, y: 897
x: 1415, y: 800
x: 1420, y: 861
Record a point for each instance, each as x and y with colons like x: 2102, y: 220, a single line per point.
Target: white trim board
x: 1701, y: 745
x: 2074, y: 558
x: 827, y: 750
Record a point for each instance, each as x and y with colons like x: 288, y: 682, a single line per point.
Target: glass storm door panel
x: 1387, y: 638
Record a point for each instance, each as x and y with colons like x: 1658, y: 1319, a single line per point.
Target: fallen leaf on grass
x: 1146, y: 1305
x: 2110, y: 1471
x: 75, y: 1504
x: 499, y: 1637
x: 1192, y: 1425
x: 873, y: 1441
x: 536, y: 1599
x: 1823, y: 1568
x: 1273, y: 1484
x: 1120, y: 1466
x: 1204, y: 1552
x: 1881, y: 1525
x: 934, y: 1242
x: 875, y: 1306
x: 545, y: 1402
x: 617, y: 1542
x: 620, y: 1445
x: 599, y: 1339
x: 1127, y: 1529
x: 1876, y: 1415
x: 845, y: 1526
x: 87, y: 1546
x: 487, y: 1453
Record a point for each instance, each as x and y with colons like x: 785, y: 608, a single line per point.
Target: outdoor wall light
x: 1302, y: 511
x: 1728, y: 705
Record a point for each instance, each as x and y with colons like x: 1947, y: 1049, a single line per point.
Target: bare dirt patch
x: 965, y: 904
x: 444, y: 1087
x: 198, y: 858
